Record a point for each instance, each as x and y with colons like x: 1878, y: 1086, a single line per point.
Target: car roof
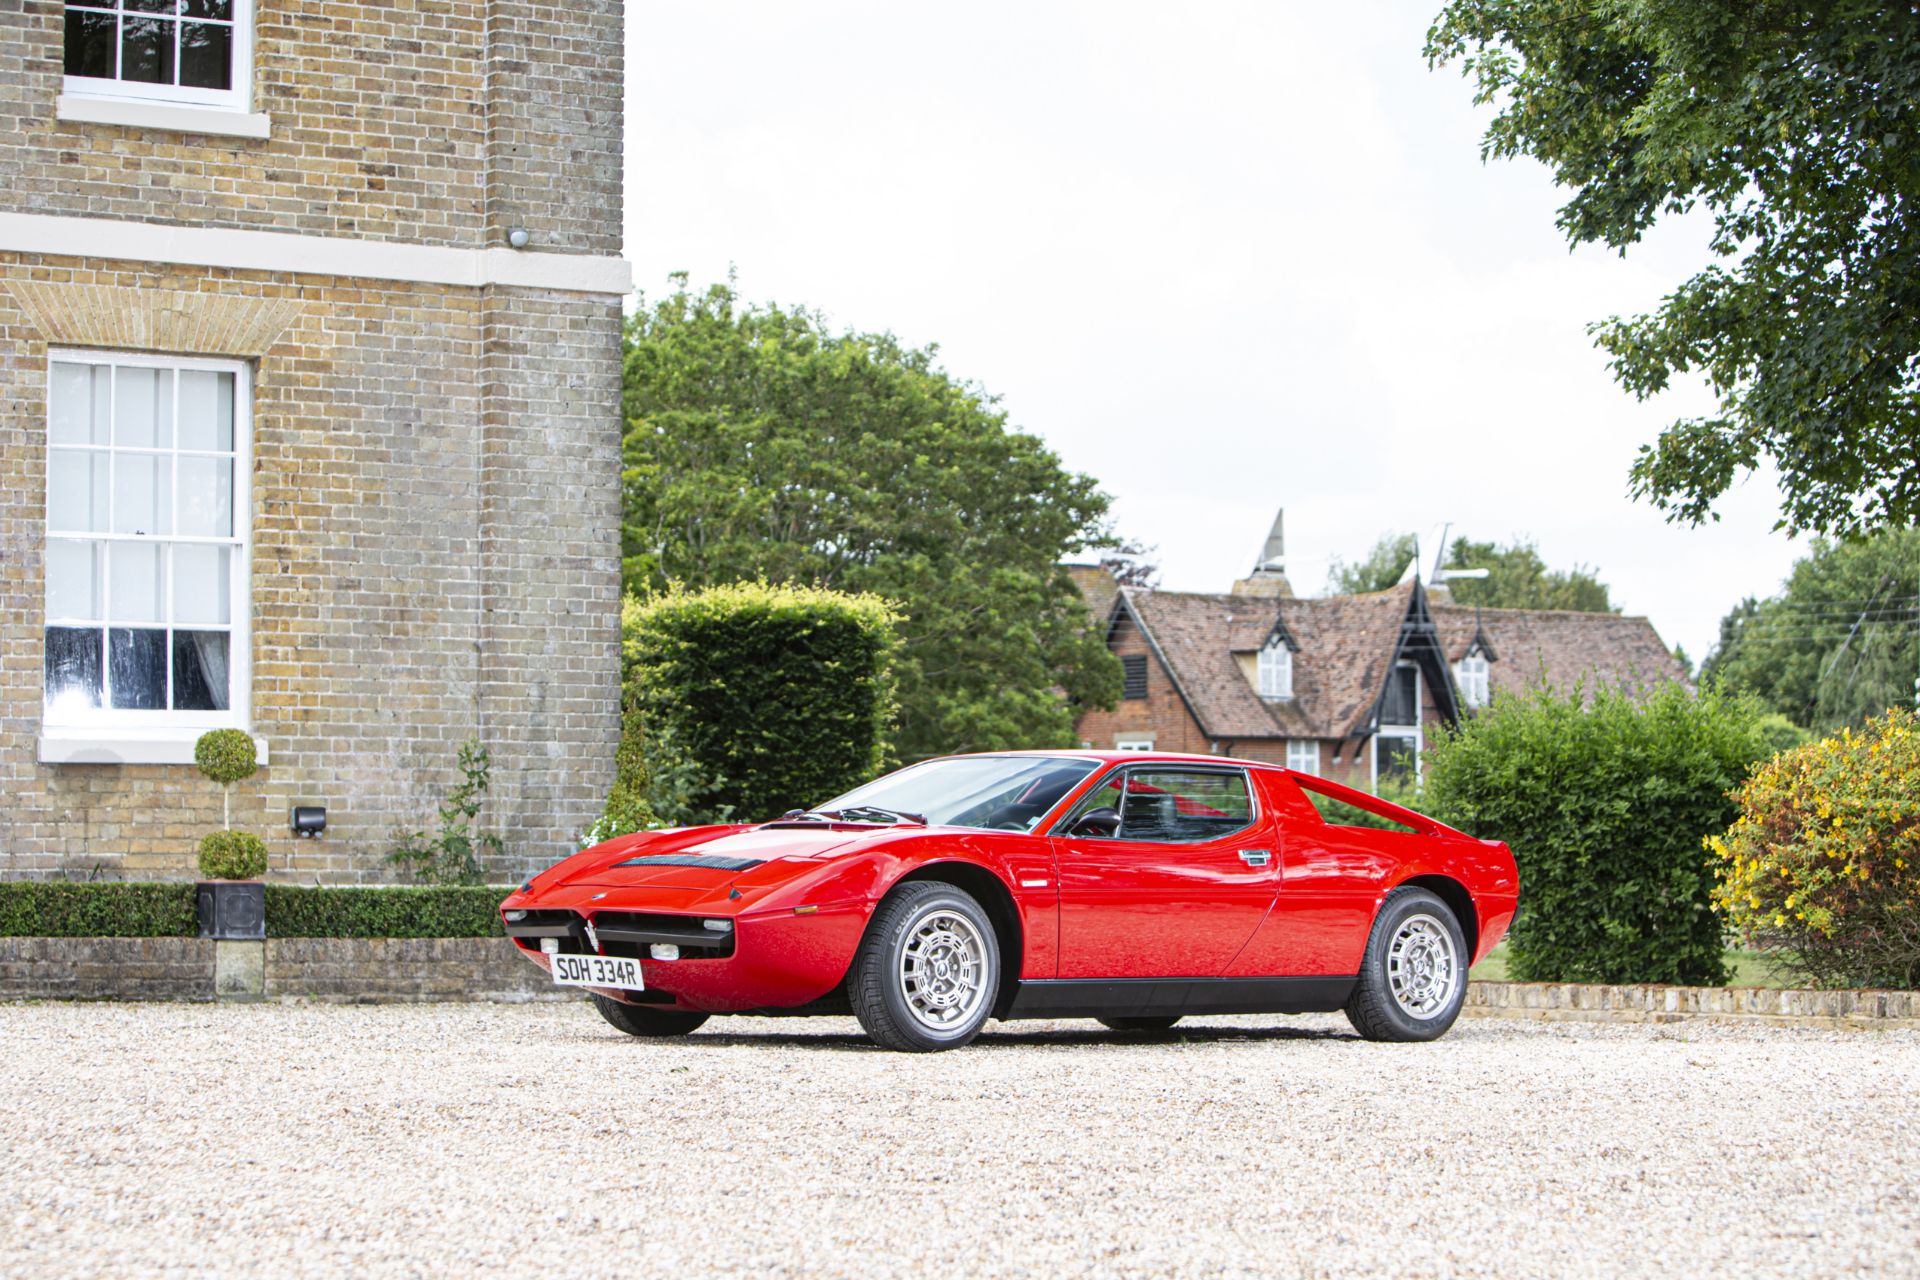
x: 1122, y: 757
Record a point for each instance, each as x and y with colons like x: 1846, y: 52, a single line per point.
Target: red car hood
x: 755, y: 844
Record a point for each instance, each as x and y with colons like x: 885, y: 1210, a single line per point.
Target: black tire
x: 1407, y: 938
x: 905, y: 933
x: 637, y: 1021
x: 1138, y: 1024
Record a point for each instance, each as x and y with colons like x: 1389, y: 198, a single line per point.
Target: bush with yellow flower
x: 1822, y: 862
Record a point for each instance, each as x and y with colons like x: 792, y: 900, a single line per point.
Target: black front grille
x: 709, y: 861
x: 621, y: 933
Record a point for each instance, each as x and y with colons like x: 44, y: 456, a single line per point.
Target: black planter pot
x: 233, y: 909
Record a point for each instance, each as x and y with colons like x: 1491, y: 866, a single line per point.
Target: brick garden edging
x: 444, y: 969
x: 343, y: 969
x: 1591, y: 1002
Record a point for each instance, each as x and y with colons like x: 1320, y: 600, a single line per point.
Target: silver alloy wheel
x: 943, y: 970
x: 1423, y: 968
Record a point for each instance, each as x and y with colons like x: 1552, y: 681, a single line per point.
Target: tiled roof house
x: 1344, y: 686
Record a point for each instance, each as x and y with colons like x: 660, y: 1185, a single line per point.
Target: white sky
x: 1224, y: 257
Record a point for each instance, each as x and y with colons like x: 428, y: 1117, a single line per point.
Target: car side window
x: 1184, y: 806
x: 1170, y: 805
x: 1105, y: 796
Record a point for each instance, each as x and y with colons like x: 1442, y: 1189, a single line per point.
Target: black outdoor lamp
x: 309, y: 820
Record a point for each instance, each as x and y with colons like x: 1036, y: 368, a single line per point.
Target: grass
x: 1749, y: 968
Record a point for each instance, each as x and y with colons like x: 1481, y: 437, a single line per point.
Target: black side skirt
x: 1166, y: 997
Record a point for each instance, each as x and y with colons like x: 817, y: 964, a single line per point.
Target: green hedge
x: 1605, y: 801
x: 755, y: 699
x: 83, y: 909
x: 113, y: 909
x: 430, y: 911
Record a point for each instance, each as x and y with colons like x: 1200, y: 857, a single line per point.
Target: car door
x: 1178, y: 889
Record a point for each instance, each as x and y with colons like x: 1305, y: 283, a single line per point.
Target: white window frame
x: 1133, y: 742
x: 127, y: 735
x: 1473, y: 673
x: 238, y: 98
x: 1413, y: 733
x: 1274, y: 669
x: 1303, y: 755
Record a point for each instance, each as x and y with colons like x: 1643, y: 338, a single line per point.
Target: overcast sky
x: 1225, y: 257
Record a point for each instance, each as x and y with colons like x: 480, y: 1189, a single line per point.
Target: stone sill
x: 104, y: 745
x: 172, y: 117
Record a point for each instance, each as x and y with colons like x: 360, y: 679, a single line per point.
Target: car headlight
x: 718, y: 926
x: 515, y: 917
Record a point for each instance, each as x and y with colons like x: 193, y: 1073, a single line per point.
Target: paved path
x: 534, y: 1141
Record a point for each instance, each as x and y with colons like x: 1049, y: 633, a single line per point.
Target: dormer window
x: 195, y: 52
x: 1471, y: 674
x: 1276, y: 670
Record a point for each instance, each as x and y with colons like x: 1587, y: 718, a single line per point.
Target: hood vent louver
x: 708, y: 861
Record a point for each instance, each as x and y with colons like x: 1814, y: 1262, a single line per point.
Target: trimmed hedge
x: 95, y: 909
x: 756, y: 698
x: 1605, y: 801
x: 429, y: 911
x: 114, y: 909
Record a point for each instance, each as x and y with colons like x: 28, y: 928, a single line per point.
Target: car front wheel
x: 928, y: 969
x: 1413, y: 978
x: 636, y: 1021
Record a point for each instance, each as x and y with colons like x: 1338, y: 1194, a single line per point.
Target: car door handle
x: 1255, y: 857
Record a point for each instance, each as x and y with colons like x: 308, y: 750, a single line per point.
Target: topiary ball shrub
x: 1823, y: 859
x: 232, y: 855
x: 226, y: 755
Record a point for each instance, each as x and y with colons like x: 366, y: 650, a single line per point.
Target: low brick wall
x: 106, y: 969
x: 344, y: 969
x: 1587, y: 1002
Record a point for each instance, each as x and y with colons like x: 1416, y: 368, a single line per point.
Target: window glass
x: 143, y: 537
x: 1402, y: 703
x: 185, y: 49
x: 1303, y: 754
x: 1003, y: 793
x: 1276, y: 671
x: 1172, y: 805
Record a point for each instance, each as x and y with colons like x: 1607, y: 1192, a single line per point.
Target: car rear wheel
x: 1413, y: 978
x: 1138, y: 1024
x: 927, y: 972
x: 638, y: 1021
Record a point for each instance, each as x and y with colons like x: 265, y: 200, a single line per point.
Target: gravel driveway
x: 537, y: 1142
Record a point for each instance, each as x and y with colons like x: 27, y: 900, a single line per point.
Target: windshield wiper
x: 891, y: 815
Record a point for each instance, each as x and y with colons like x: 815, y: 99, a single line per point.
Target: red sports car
x: 1134, y: 888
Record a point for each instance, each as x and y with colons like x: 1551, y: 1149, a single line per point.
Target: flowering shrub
x: 1823, y: 861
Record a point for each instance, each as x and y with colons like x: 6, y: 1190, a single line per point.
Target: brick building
x: 1342, y: 686
x: 309, y: 421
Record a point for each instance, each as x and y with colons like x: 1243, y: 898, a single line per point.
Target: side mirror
x: 1104, y: 821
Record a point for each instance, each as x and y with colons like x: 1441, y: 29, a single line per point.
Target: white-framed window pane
x: 1303, y: 755
x: 77, y: 490
x: 137, y: 668
x: 133, y: 572
x: 206, y: 497
x: 77, y: 403
x: 200, y: 674
x: 1276, y: 672
x: 206, y: 410
x: 142, y: 493
x: 202, y: 585
x: 142, y: 407
x: 73, y: 580
x: 73, y: 669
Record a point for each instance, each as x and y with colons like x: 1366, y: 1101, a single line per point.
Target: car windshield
x: 1000, y: 793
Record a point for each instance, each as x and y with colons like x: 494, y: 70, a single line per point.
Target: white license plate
x: 597, y: 971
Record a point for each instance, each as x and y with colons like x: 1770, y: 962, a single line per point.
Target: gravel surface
x: 431, y: 1140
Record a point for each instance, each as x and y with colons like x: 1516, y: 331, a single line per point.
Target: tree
x: 1383, y: 566
x: 760, y: 444
x: 1840, y: 644
x: 1517, y: 578
x: 1797, y: 124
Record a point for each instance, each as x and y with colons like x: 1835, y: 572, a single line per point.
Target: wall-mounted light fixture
x: 519, y: 237
x: 308, y: 820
